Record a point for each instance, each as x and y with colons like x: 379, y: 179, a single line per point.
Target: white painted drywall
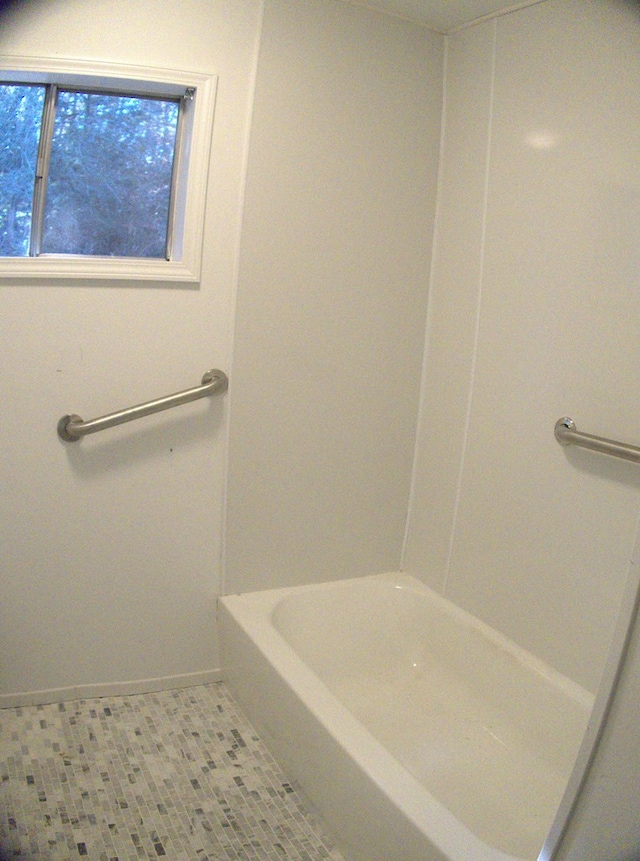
x: 111, y: 547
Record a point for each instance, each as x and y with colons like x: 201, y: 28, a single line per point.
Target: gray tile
x: 176, y: 775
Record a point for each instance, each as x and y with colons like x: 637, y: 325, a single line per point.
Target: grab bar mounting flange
x: 566, y: 433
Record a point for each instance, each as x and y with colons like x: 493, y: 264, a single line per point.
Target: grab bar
x: 72, y: 427
x: 567, y: 434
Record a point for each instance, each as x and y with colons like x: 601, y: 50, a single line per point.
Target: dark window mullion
x: 42, y: 169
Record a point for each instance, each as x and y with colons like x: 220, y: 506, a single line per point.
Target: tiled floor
x: 179, y: 774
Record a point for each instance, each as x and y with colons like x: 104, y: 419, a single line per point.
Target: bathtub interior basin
x: 464, y: 737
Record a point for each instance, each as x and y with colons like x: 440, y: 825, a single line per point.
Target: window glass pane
x: 20, y: 119
x: 110, y: 175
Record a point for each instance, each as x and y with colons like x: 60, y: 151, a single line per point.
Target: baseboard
x: 109, y: 689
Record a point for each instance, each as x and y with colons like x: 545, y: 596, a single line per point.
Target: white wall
x: 111, y: 547
x: 332, y: 293
x: 534, y: 311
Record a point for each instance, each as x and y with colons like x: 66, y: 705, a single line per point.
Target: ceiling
x: 444, y: 15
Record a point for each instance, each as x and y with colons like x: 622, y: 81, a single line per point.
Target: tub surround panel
x: 608, y: 803
x: 332, y: 293
x: 541, y: 536
x: 454, y: 297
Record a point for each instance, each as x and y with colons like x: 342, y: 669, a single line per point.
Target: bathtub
x: 415, y: 731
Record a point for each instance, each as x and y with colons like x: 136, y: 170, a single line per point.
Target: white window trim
x: 192, y: 179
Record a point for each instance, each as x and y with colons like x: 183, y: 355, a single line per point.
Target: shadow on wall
x: 8, y: 7
x: 602, y: 467
x: 173, y: 435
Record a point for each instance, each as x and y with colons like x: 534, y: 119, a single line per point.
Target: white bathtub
x: 417, y: 732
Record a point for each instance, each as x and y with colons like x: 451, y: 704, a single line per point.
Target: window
x: 102, y: 174
x: 85, y: 172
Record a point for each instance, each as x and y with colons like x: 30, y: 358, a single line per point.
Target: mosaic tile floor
x: 177, y: 774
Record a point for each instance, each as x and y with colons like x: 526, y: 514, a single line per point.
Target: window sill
x: 191, y: 198
x: 47, y: 268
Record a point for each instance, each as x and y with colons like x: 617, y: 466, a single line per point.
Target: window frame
x: 191, y: 174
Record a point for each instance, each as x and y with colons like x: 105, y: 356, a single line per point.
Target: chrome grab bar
x: 72, y: 427
x: 567, y: 434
